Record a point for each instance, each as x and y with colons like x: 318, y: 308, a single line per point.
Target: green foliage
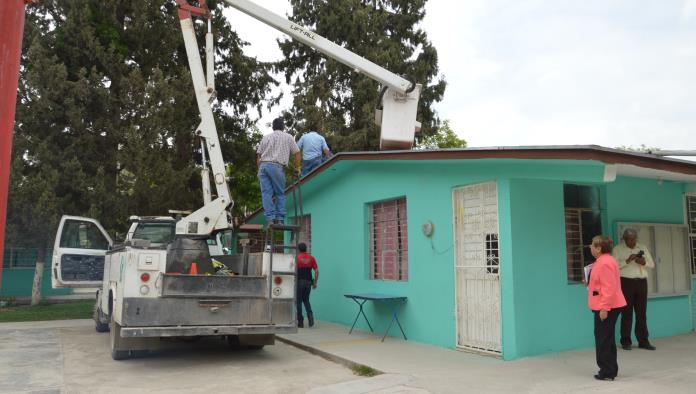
x: 364, y: 370
x: 340, y: 104
x: 443, y: 139
x: 46, y: 311
x: 106, y: 114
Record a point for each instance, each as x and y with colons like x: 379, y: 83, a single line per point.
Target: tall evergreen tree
x: 106, y: 114
x: 340, y: 103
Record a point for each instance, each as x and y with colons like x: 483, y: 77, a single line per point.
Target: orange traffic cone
x: 194, y: 268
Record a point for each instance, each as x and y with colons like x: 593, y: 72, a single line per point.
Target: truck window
x: 158, y: 233
x: 82, y: 235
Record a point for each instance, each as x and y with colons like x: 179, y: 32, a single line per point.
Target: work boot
x: 310, y: 317
x: 300, y: 324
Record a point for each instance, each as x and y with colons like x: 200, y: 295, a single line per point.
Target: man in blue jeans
x: 314, y: 151
x: 272, y: 156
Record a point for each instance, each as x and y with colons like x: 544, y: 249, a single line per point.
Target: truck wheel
x: 115, y: 337
x: 99, y: 317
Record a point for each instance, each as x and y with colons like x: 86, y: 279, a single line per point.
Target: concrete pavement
x: 416, y: 368
x: 68, y: 356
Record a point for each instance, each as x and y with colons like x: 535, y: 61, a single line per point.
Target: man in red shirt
x: 305, y: 264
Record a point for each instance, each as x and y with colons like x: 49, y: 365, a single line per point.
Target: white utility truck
x: 169, y: 278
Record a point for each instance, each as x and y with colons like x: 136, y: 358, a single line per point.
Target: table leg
x: 395, y: 311
x: 360, y: 311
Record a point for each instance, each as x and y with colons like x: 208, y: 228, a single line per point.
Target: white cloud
x: 609, y: 73
x: 688, y: 9
x: 565, y: 72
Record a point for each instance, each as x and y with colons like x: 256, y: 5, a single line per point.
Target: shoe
x: 647, y: 346
x: 311, y: 320
x: 600, y: 377
x: 300, y: 324
x: 626, y: 347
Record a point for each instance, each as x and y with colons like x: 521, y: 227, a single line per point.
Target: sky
x: 533, y: 72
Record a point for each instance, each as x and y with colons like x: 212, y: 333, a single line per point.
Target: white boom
x: 215, y: 214
x: 396, y: 116
x: 400, y: 100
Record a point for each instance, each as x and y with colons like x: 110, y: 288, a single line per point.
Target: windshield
x: 159, y: 233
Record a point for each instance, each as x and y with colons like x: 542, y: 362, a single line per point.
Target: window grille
x: 388, y: 240
x: 691, y: 215
x: 305, y: 223
x: 582, y: 222
x: 492, y: 254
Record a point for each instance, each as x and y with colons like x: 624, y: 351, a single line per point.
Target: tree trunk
x: 38, y: 276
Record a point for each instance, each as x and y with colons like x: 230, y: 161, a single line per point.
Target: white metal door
x: 78, y: 253
x: 476, y: 261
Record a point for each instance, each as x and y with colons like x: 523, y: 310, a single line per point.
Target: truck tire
x: 99, y: 317
x: 115, y: 335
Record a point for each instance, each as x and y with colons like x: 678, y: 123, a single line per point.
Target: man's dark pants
x: 636, y: 293
x: 304, y: 287
x: 605, y: 343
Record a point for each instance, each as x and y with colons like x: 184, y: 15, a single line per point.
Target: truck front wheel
x: 100, y: 322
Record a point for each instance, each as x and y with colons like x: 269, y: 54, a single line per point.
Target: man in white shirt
x: 272, y: 157
x: 634, y: 261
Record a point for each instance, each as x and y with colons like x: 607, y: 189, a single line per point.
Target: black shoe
x: 626, y: 347
x: 311, y: 320
x: 600, y: 377
x: 300, y: 324
x: 647, y: 346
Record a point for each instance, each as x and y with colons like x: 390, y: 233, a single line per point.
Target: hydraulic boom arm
x: 399, y: 105
x: 215, y: 214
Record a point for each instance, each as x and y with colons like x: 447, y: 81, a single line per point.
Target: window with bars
x: 492, y: 254
x: 583, y: 220
x: 388, y: 240
x: 305, y: 223
x: 691, y: 217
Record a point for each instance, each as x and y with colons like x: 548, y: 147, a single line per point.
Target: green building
x: 489, y: 245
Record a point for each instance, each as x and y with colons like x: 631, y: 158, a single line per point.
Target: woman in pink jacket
x: 606, y: 301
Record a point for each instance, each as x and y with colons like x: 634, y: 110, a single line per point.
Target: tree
x: 106, y: 114
x: 443, y: 139
x: 328, y: 96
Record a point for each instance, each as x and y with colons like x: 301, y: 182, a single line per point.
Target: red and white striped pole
x: 11, y: 30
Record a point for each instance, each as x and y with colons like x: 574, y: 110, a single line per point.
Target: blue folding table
x: 393, y: 302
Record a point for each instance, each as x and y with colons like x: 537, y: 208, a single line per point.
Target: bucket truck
x: 164, y: 279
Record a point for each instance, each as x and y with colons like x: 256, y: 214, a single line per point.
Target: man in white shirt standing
x: 634, y: 261
x: 272, y: 157
x: 314, y: 151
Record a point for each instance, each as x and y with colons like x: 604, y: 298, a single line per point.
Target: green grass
x: 364, y: 370
x: 74, y: 310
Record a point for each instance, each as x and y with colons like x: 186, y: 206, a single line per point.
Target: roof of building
x: 618, y: 161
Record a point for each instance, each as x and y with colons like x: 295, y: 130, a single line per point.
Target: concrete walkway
x: 410, y: 367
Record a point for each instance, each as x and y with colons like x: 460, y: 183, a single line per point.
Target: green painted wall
x: 340, y: 237
x: 540, y: 290
x: 693, y: 303
x: 17, y: 282
x: 645, y: 200
x: 550, y: 314
x: 541, y: 311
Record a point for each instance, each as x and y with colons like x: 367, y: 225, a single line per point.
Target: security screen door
x: 477, y: 263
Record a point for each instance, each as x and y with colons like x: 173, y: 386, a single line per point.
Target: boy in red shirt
x: 305, y: 264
